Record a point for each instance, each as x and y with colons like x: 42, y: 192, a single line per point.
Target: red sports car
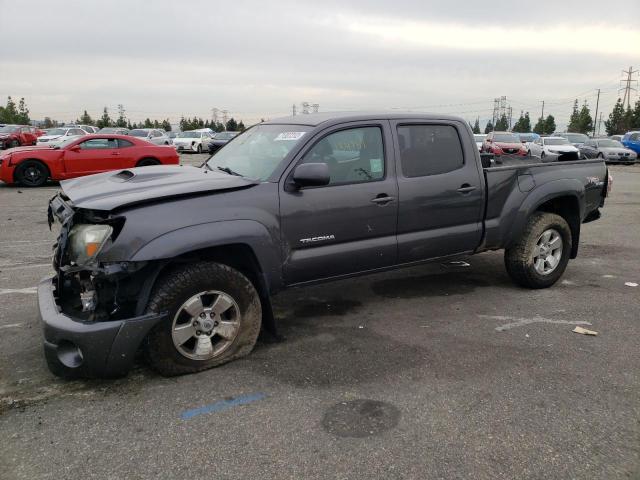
x: 17, y: 135
x: 78, y: 156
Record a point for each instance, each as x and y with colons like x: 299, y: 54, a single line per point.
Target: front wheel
x: 31, y: 173
x: 541, y: 255
x: 214, y: 316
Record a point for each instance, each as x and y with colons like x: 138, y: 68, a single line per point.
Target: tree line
x: 619, y: 122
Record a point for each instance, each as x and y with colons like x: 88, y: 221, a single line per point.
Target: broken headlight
x: 86, y: 241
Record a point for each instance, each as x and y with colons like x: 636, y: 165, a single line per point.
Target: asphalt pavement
x: 432, y: 372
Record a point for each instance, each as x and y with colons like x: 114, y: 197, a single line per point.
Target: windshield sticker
x: 287, y: 136
x: 376, y: 165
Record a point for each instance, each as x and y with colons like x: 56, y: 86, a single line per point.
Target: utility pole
x: 214, y: 115
x: 628, y: 88
x: 293, y: 109
x: 542, y: 116
x: 599, y: 123
x: 596, y: 115
x: 225, y: 118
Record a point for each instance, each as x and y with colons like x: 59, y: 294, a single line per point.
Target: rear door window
x: 429, y: 150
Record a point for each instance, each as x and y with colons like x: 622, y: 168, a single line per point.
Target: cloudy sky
x: 256, y: 58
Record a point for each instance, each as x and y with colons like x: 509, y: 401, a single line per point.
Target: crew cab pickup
x: 181, y: 262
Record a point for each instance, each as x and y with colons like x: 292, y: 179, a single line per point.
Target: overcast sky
x: 171, y: 58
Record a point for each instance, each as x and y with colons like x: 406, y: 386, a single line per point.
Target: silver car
x: 611, y: 151
x: 153, y: 135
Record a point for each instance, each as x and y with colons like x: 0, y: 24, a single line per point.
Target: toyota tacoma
x: 180, y: 262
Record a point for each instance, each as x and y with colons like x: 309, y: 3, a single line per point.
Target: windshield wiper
x: 206, y: 164
x: 228, y: 170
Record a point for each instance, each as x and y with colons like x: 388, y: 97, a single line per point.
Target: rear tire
x: 206, y: 282
x: 530, y: 262
x: 147, y: 162
x: 199, y: 148
x: 31, y: 174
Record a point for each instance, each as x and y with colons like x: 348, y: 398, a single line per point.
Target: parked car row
x: 568, y: 145
x: 12, y: 136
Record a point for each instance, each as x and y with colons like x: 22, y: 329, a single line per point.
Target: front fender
x: 216, y: 234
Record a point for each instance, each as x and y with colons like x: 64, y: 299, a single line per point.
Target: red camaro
x: 78, y: 156
x: 16, y: 135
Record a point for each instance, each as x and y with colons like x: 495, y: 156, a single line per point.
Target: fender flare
x: 540, y: 195
x: 255, y: 235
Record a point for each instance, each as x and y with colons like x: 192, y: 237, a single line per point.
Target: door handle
x: 382, y: 199
x: 466, y: 188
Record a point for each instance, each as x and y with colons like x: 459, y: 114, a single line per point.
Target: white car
x: 193, y: 141
x: 544, y: 147
x: 56, y: 136
x: 153, y: 135
x: 479, y: 138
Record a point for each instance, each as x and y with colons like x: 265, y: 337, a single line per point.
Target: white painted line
x: 520, y: 322
x: 631, y: 284
x: 6, y: 291
x: 11, y: 325
x: 26, y: 265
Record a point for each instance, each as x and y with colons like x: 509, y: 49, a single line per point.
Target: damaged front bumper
x: 78, y: 348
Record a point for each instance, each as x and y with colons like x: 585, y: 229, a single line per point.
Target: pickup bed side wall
x: 209, y: 235
x: 505, y: 225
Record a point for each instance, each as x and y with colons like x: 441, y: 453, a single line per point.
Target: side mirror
x: 75, y: 148
x: 311, y: 175
x: 486, y: 159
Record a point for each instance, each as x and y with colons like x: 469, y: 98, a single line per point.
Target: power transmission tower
x: 510, y: 110
x: 225, y: 118
x: 214, y: 115
x: 305, y: 108
x: 628, y: 88
x: 293, y: 109
x: 315, y: 107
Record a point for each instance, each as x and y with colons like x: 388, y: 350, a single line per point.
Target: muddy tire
x: 540, y: 256
x: 213, y: 317
x: 31, y: 173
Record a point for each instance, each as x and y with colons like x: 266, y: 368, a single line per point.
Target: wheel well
x: 568, y: 208
x: 30, y: 160
x: 147, y: 158
x: 239, y: 256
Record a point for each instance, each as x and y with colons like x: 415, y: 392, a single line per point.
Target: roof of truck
x: 314, y: 119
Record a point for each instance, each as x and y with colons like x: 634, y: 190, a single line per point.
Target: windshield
x: 66, y: 142
x: 138, y: 133
x: 57, y: 131
x: 506, y: 138
x: 526, y: 137
x: 258, y: 151
x: 556, y: 141
x: 8, y: 129
x: 189, y: 135
x: 225, y: 135
x: 576, y: 137
x: 610, y: 143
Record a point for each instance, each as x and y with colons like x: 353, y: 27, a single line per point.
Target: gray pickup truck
x: 181, y: 262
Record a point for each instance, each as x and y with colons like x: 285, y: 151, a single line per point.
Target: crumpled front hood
x: 106, y: 191
x: 28, y: 148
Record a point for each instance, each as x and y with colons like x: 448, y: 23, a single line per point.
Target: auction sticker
x: 288, y: 136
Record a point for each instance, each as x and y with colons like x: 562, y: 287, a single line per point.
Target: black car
x: 220, y: 139
x: 183, y: 261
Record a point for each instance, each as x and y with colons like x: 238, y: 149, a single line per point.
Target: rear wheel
x: 199, y: 148
x: 214, y: 316
x: 147, y: 162
x: 31, y: 173
x: 541, y: 255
